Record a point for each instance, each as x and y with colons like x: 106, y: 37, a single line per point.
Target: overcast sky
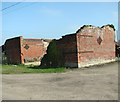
x: 50, y: 20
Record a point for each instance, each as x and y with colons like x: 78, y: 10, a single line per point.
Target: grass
x: 22, y: 69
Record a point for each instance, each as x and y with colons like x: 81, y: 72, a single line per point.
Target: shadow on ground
x: 90, y: 67
x: 39, y: 67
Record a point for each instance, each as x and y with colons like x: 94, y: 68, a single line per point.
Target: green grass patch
x: 22, y: 69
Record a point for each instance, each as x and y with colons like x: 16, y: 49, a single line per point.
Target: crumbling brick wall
x: 18, y: 49
x: 89, y: 45
x: 95, y: 44
x: 68, y: 46
x: 13, y: 50
x: 34, y: 48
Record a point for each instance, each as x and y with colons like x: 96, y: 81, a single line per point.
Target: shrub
x: 35, y: 59
x: 53, y: 58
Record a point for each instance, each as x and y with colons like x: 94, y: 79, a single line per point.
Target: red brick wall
x: 36, y: 48
x: 89, y: 50
x: 13, y: 51
x: 83, y: 47
x: 67, y: 44
x: 80, y: 48
x: 16, y: 51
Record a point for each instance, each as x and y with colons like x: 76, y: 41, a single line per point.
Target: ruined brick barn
x: 88, y: 46
x: 19, y: 50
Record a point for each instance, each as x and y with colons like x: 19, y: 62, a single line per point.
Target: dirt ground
x: 95, y: 83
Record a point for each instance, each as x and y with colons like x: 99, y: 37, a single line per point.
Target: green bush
x: 35, y: 59
x: 54, y: 57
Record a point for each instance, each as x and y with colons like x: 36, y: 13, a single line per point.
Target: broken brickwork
x: 95, y: 44
x: 19, y: 50
x: 68, y: 46
x: 89, y: 45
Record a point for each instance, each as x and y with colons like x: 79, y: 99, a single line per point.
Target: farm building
x: 90, y: 45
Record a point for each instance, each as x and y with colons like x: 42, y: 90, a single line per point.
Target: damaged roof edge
x: 110, y: 25
x: 46, y: 40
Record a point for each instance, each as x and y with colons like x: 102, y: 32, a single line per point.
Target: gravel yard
x: 95, y: 83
